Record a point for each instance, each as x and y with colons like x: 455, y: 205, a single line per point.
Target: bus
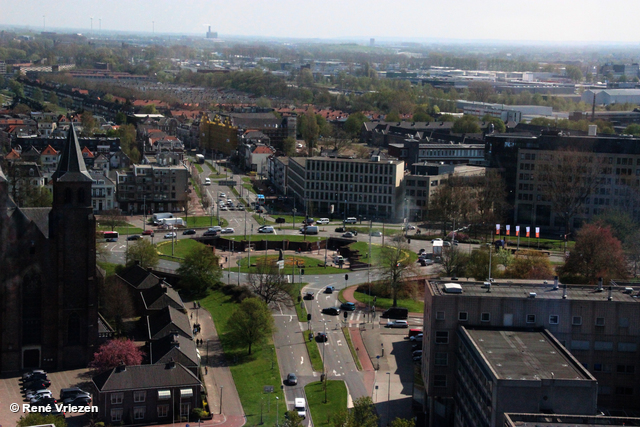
x: 199, y: 158
x: 110, y: 235
x: 260, y: 199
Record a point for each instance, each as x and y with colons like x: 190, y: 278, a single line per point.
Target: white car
x: 240, y: 207
x: 223, y: 208
x: 170, y: 235
x: 322, y: 221
x: 398, y: 324
x: 44, y: 392
x: 227, y: 230
x: 223, y: 196
x: 266, y: 229
x: 436, y: 240
x: 410, y: 227
x: 215, y: 228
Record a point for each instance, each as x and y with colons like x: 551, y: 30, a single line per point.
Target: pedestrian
x: 206, y: 370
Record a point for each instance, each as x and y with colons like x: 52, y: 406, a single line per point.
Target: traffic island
x: 324, y: 404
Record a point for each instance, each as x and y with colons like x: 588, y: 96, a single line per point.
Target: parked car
x: 222, y: 196
x: 266, y: 229
x: 207, y: 181
x: 291, y: 379
x: 376, y: 234
x: 348, y: 234
x: 45, y: 401
x: 424, y: 262
x: 42, y: 392
x: 170, y: 235
x: 398, y: 324
x: 416, y: 353
x: 36, y: 373
x: 348, y: 306
x: 329, y: 289
x: 417, y: 358
x: 421, y: 251
x: 416, y: 337
x: 331, y: 310
x: 148, y: 233
x: 215, y: 228
x: 410, y: 227
x: 240, y: 207
x: 66, y: 393
x: 351, y: 220
x: 134, y: 237
x: 80, y: 400
x: 321, y: 337
x: 436, y: 240
x: 227, y: 230
x: 322, y: 221
x: 308, y: 296
x: 223, y: 208
x: 38, y: 396
x: 189, y: 231
x: 36, y: 384
x: 308, y: 221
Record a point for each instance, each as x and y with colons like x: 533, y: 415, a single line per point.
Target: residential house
x: 177, y: 348
x: 103, y: 192
x: 49, y: 159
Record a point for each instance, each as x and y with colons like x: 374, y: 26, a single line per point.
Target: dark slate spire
x: 2, y: 177
x: 71, y: 167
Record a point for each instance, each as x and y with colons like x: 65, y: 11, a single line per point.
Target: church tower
x: 73, y: 331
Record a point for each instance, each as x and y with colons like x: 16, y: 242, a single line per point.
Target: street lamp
x: 277, y: 414
x: 388, y: 396
x: 221, y: 387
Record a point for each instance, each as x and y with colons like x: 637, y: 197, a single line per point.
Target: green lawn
x: 376, y: 252
x: 246, y: 179
x: 199, y: 168
x: 301, y: 309
x: 204, y: 221
x: 216, y: 176
x: 314, y: 352
x: 322, y: 412
x: 180, y: 248
x: 250, y: 372
x: 347, y: 337
x: 310, y: 264
x: 124, y: 230
x: 384, y: 303
x: 110, y: 268
x: 249, y: 187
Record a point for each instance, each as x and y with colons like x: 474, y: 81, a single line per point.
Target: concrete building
x: 511, y: 370
x: 596, y: 325
x: 611, y: 96
x: 158, y: 188
x: 564, y: 420
x: 348, y: 187
x: 425, y: 150
x: 278, y: 173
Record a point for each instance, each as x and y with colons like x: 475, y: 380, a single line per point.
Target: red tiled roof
x: 262, y: 149
x: 86, y: 152
x: 49, y: 150
x: 13, y: 154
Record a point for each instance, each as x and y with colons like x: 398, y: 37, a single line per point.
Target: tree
x: 393, y: 116
x: 16, y: 87
x: 292, y: 419
x: 621, y: 223
x: 270, y: 284
x: 568, y: 178
x: 149, y: 109
x: 395, y: 266
x: 632, y: 129
x: 37, y: 95
x: 289, y: 146
x: 142, y: 251
x: 481, y: 91
x: 531, y: 265
x: 22, y: 109
x: 117, y: 302
x: 574, y: 73
x: 263, y: 102
x: 114, y: 353
x: 353, y: 124
x: 200, y: 271
x: 453, y: 261
x: 112, y: 218
x: 491, y: 198
x: 41, y: 419
x: 38, y: 197
x: 363, y: 414
x: 596, y: 254
x: 251, y: 323
x: 403, y: 422
x: 53, y: 98
x: 478, y: 266
x: 310, y: 131
x: 452, y: 202
x: 466, y: 124
x: 498, y: 124
x: 121, y: 118
x: 88, y: 123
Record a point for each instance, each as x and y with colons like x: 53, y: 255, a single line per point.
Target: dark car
x: 36, y: 385
x: 34, y: 375
x: 329, y: 290
x: 331, y: 310
x: 291, y: 379
x: 348, y: 306
x: 134, y: 237
x: 340, y: 230
x: 321, y: 337
x: 80, y: 400
x: 210, y: 233
x: 308, y: 295
x: 189, y: 231
x: 71, y: 392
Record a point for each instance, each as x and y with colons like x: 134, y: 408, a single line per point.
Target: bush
x: 197, y: 414
x: 237, y: 293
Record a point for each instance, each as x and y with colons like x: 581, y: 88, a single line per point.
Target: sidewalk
x: 368, y: 371
x: 218, y: 376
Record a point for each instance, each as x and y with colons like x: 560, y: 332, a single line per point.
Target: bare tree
x: 270, y: 284
x: 117, y: 302
x: 452, y: 201
x: 395, y: 266
x: 453, y: 261
x: 568, y: 178
x: 112, y: 218
x: 490, y: 198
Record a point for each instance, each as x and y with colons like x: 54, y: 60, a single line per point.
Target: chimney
x: 600, y: 287
x: 610, y: 293
x: 555, y: 283
x: 121, y: 368
x: 149, y: 269
x: 171, y: 364
x: 564, y: 291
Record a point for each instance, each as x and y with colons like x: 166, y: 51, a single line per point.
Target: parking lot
x: 11, y: 392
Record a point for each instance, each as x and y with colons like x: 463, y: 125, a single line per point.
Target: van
x: 338, y: 259
x: 311, y: 229
x: 300, y: 407
x: 322, y: 221
x: 207, y: 181
x: 351, y: 220
x: 66, y: 393
x: 395, y: 313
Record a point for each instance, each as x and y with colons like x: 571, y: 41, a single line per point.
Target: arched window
x: 73, y: 329
x: 81, y: 196
x: 68, y: 195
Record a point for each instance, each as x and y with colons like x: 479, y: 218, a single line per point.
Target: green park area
x: 292, y: 264
x: 324, y: 404
x: 124, y: 229
x: 178, y: 248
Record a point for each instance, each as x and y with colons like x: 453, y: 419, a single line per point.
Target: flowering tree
x: 114, y: 353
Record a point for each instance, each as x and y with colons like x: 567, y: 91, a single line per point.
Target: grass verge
x: 314, y: 352
x: 110, y: 269
x: 196, y: 187
x: 384, y: 303
x: 250, y: 372
x: 347, y: 337
x: 322, y: 412
x: 199, y: 168
x: 181, y: 247
x: 310, y: 265
x: 122, y: 229
x: 301, y: 309
x: 205, y: 221
x: 249, y: 187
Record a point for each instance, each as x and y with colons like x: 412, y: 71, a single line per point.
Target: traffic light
x: 345, y: 314
x: 302, y: 271
x: 308, y: 317
x: 346, y: 277
x: 409, y: 241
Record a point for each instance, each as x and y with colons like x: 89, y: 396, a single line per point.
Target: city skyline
x: 568, y: 21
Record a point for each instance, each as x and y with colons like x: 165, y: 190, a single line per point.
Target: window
x: 163, y: 411
x: 576, y: 320
x: 439, y: 315
x: 116, y: 398
x: 442, y: 337
x: 439, y: 380
x: 485, y: 317
x: 623, y: 322
x: 604, y: 389
x: 164, y: 394
x: 184, y: 409
x: 626, y: 369
x: 441, y: 359
x: 463, y: 316
x: 553, y: 319
x: 531, y: 318
x: 599, y: 321
x: 624, y: 391
x: 116, y: 414
x: 138, y: 412
x: 603, y: 345
x: 139, y: 396
x: 627, y: 347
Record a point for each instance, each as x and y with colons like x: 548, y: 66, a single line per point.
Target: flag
x: 497, y: 229
x: 508, y: 229
x: 528, y: 229
x: 517, y: 231
x: 537, y: 232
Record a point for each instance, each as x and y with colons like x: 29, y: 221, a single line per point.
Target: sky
x: 533, y: 20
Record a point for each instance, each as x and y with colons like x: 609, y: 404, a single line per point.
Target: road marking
x: 301, y: 360
x: 290, y: 318
x: 339, y: 343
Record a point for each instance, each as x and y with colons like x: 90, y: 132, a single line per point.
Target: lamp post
x: 144, y: 207
x: 388, y: 396
x: 277, y: 414
x: 221, y: 387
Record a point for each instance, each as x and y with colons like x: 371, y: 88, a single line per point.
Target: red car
x: 147, y: 233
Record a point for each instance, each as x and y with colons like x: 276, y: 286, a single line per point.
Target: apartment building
x: 598, y: 326
x: 517, y: 370
x: 348, y: 187
x: 278, y: 173
x: 415, y: 151
x: 158, y: 188
x: 103, y: 192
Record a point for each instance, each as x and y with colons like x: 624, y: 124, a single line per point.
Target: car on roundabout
x: 170, y: 235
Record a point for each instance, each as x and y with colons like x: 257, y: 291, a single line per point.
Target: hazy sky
x: 534, y: 20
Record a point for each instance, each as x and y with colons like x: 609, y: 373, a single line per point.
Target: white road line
x: 301, y: 360
x: 290, y: 318
x: 339, y: 343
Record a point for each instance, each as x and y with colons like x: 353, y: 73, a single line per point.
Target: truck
x: 159, y: 216
x: 300, y: 407
x: 310, y: 229
x: 176, y: 222
x: 200, y: 158
x: 395, y: 313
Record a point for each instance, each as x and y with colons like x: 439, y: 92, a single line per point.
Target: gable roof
x: 168, y: 321
x: 40, y: 217
x: 138, y: 277
x: 13, y: 155
x: 161, y: 296
x: 174, y: 347
x: 145, y: 377
x: 86, y: 152
x: 49, y: 150
x: 262, y: 149
x: 71, y: 166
